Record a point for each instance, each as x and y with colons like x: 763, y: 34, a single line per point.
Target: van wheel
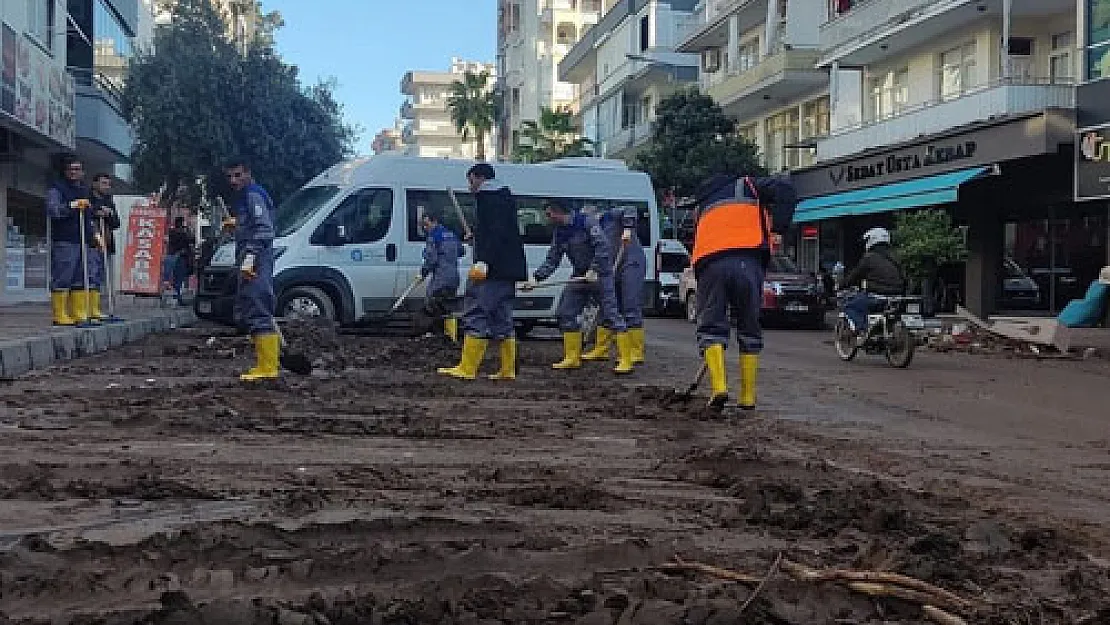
x: 692, y: 307
x: 306, y: 302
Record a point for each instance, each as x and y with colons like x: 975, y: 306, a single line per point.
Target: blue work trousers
x: 174, y: 270
x: 730, y: 284
x: 575, y: 297
x: 488, y: 309
x: 857, y: 307
x: 630, y: 292
x: 254, y: 299
x: 96, y: 268
x: 65, y: 266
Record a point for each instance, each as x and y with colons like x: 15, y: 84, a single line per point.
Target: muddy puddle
x: 147, y: 486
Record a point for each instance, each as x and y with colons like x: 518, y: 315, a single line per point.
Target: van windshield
x: 295, y: 211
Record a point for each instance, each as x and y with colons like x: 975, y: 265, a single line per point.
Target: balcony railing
x: 737, y: 83
x: 1002, y: 97
x: 627, y: 138
x: 865, y: 17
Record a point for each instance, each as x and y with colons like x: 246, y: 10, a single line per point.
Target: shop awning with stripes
x: 919, y: 193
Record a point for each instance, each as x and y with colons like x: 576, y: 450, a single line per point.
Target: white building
x: 758, y: 61
x: 428, y: 129
x: 532, y: 37
x: 624, y: 66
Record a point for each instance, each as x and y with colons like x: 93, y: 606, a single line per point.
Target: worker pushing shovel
x: 442, y: 251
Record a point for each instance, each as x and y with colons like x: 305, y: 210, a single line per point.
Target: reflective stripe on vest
x: 730, y: 225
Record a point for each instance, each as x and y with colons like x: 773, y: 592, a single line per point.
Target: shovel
x: 684, y: 395
x: 405, y: 294
x: 468, y: 235
x: 545, y: 285
x: 292, y: 361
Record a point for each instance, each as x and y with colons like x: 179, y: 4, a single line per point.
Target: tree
x: 473, y: 108
x: 692, y: 139
x: 926, y: 239
x: 554, y: 136
x: 196, y: 99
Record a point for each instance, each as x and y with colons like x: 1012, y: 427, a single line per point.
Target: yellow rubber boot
x: 508, y: 361
x: 749, y: 366
x: 572, y: 351
x: 600, y: 350
x: 473, y: 350
x: 637, y: 335
x: 267, y: 349
x: 715, y: 363
x: 624, y: 353
x: 451, y: 329
x: 59, y: 303
x: 94, y: 306
x: 79, y: 306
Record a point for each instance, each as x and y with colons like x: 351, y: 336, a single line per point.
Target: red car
x: 789, y: 294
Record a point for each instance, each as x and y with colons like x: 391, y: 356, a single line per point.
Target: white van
x: 349, y: 243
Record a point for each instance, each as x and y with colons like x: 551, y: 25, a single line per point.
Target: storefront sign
x: 929, y: 156
x: 35, y: 90
x: 143, y: 249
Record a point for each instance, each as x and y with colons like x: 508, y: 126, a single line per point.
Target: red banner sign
x: 141, y: 271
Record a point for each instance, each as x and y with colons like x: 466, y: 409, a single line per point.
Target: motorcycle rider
x: 878, y: 274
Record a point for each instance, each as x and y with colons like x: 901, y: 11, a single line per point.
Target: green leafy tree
x: 197, y: 99
x: 473, y: 109
x: 926, y: 239
x: 554, y: 136
x: 692, y: 139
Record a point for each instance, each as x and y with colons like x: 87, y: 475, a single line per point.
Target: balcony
x: 993, y: 100
x: 627, y: 141
x: 102, y: 132
x: 708, y: 25
x: 869, y: 17
x: 407, y: 111
x: 777, y: 79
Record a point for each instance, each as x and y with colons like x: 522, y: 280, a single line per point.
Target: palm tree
x: 554, y: 136
x: 473, y: 108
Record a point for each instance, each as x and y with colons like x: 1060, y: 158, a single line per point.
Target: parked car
x: 789, y: 294
x: 671, y: 260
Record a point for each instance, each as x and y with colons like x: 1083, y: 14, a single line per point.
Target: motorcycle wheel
x: 899, y: 346
x: 845, y: 340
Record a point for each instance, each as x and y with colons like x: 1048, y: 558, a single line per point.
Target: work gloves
x: 247, y: 268
x: 626, y: 236
x: 478, y: 271
x: 79, y: 205
x: 591, y: 276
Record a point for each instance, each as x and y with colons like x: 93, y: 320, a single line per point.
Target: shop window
x: 1098, y: 22
x: 956, y: 71
x: 27, y: 255
x: 890, y: 93
x: 1049, y: 262
x: 1061, y: 68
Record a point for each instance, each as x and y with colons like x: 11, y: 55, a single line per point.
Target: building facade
x: 759, y: 62
x: 622, y: 67
x: 37, y: 122
x: 968, y: 106
x: 533, y: 36
x: 428, y: 129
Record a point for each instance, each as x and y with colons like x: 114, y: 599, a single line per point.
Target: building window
x: 645, y: 33
x: 748, y: 133
x: 1098, y: 39
x: 565, y: 34
x: 782, y: 130
x: 1060, y: 63
x: 40, y: 21
x: 890, y: 93
x: 815, y: 118
x: 957, y: 71
x: 112, y: 48
x: 748, y: 57
x: 516, y: 101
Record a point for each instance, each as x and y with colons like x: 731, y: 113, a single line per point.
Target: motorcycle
x: 889, y: 332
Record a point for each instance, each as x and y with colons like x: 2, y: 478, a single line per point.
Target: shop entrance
x: 27, y: 253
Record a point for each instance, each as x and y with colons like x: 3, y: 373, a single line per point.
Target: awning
x: 929, y: 191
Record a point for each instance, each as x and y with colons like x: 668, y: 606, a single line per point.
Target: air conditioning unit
x: 711, y: 60
x: 11, y: 146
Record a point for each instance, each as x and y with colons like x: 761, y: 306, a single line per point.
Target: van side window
x: 419, y: 201
x: 364, y: 216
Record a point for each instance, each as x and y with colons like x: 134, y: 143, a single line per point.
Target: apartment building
x: 759, y: 62
x: 428, y: 129
x: 966, y: 105
x: 622, y: 67
x: 533, y: 36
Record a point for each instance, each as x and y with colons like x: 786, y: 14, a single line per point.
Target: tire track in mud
x: 377, y: 492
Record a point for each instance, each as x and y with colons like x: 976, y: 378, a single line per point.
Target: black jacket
x: 111, y: 221
x: 497, y: 239
x: 881, y: 271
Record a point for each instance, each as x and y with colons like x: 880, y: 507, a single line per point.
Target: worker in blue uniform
x: 442, y: 251
x: 499, y: 263
x: 67, y: 204
x: 254, y: 253
x: 629, y: 274
x: 580, y: 238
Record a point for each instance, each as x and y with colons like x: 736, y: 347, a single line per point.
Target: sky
x: 368, y: 45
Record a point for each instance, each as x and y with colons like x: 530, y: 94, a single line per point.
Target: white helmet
x: 875, y: 236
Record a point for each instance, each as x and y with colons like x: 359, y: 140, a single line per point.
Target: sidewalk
x: 29, y: 341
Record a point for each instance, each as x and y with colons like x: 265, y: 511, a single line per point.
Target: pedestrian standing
x: 442, y: 250
x: 732, y: 245
x: 580, y: 238
x: 629, y: 273
x: 67, y: 204
x: 254, y: 254
x: 499, y: 263
x: 179, y: 254
x: 107, y: 222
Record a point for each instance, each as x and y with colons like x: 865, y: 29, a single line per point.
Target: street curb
x: 20, y: 356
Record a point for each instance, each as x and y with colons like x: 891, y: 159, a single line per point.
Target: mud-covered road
x: 146, y: 486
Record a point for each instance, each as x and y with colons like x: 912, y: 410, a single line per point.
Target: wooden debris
x: 755, y: 593
x: 937, y: 615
